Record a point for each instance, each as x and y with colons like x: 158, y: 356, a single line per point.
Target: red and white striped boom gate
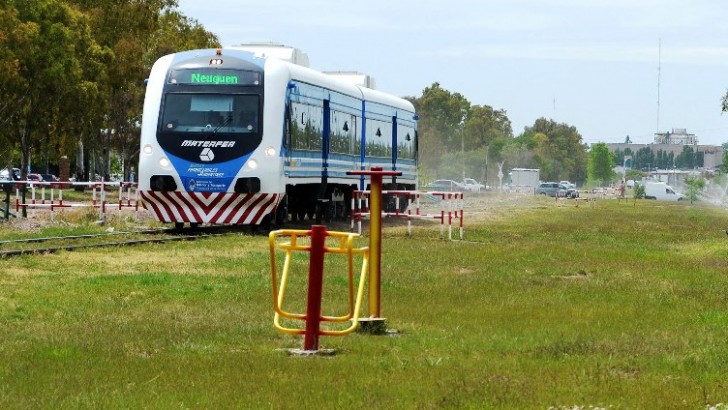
x: 451, y: 208
x: 49, y: 195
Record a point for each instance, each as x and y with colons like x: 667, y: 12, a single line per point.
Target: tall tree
x: 138, y: 32
x: 483, y: 125
x: 601, y: 165
x: 442, y: 114
x: 558, y: 150
x: 13, y: 37
x: 687, y: 159
x: 644, y: 158
x: 58, y: 69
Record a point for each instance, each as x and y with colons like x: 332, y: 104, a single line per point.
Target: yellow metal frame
x: 346, y: 242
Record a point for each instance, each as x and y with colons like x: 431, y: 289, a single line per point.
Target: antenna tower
x: 659, y: 72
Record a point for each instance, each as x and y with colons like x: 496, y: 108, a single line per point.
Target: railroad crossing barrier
x: 32, y: 195
x: 317, y: 249
x: 451, y: 206
x: 7, y: 190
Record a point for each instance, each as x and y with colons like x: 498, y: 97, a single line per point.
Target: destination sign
x: 214, y: 76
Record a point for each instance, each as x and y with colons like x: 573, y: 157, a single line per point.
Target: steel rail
x: 85, y: 236
x: 53, y: 249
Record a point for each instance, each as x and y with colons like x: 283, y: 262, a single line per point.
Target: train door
x: 322, y: 200
x: 394, y: 147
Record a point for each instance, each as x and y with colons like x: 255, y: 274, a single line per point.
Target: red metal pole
x: 315, y: 287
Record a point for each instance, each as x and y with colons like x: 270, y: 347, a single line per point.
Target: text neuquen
x: 213, y: 79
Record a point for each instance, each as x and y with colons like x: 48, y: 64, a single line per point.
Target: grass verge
x: 611, y: 305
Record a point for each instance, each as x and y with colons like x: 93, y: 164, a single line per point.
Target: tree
x: 634, y: 174
x: 557, y: 149
x: 483, y: 125
x: 687, y: 159
x: 137, y: 33
x: 601, y: 163
x: 57, y: 71
x: 13, y: 36
x: 441, y: 123
x: 694, y: 186
x: 644, y: 158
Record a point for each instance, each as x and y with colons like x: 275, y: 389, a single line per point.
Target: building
x: 674, y: 142
x: 678, y: 136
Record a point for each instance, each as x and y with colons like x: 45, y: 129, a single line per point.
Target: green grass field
x: 615, y: 305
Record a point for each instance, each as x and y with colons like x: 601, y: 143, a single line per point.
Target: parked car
x: 50, y: 178
x: 471, y: 185
x: 552, y: 189
x: 570, y: 189
x: 34, y: 177
x: 6, y: 176
x: 445, y: 185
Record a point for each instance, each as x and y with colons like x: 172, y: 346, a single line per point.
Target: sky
x: 610, y: 68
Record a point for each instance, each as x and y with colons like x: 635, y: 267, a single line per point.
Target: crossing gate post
x: 375, y: 235
x: 23, y: 191
x: 7, y: 189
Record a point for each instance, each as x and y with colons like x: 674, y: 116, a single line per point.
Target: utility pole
x: 659, y: 72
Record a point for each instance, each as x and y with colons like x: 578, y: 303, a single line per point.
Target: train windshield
x: 194, y: 113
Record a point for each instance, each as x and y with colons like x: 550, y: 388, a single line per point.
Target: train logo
x: 207, y: 155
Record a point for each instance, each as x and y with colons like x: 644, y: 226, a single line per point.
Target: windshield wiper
x: 227, y: 121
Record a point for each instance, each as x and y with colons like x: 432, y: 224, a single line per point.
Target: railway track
x: 45, y: 245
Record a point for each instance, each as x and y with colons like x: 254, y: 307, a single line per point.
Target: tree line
x: 646, y: 158
x: 459, y: 139
x: 72, y: 76
x: 72, y: 82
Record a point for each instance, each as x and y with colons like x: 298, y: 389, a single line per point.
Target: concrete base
x: 309, y: 353
x: 372, y: 326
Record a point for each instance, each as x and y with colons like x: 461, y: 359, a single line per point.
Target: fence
x: 450, y: 208
x: 34, y: 195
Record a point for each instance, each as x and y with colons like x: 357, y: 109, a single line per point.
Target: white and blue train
x: 231, y: 137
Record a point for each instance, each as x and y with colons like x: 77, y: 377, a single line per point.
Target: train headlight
x: 270, y: 152
x: 163, y: 162
x: 252, y: 164
x: 147, y: 149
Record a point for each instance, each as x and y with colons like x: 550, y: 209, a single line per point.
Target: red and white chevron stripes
x: 209, y: 207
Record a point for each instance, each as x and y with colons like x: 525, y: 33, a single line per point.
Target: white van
x: 661, y: 191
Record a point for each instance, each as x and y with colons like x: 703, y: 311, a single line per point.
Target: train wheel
x: 178, y: 226
x: 281, y: 215
x: 266, y: 222
x: 329, y: 211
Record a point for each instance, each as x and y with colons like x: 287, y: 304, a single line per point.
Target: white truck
x: 661, y: 191
x: 524, y: 180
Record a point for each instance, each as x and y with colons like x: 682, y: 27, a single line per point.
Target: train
x: 240, y: 137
